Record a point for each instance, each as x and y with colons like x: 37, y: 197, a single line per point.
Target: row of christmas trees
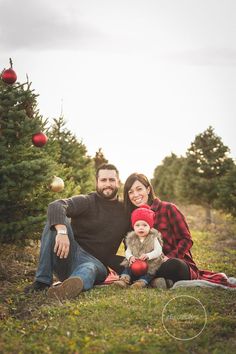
x: 206, y: 176
x: 32, y: 152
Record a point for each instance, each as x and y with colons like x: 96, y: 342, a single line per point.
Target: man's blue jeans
x: 78, y: 263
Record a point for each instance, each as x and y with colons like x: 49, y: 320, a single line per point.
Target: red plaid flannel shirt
x: 177, y: 240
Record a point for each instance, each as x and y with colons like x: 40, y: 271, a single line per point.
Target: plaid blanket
x: 231, y: 284
x: 216, y: 278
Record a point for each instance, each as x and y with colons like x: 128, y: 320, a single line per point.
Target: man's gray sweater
x: 99, y: 225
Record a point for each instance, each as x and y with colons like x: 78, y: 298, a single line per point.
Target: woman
x: 171, y: 223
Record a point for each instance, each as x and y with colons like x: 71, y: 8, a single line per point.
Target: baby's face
x: 141, y: 228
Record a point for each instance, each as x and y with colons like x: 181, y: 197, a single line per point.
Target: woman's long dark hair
x: 129, y: 207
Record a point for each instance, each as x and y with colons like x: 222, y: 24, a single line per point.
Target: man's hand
x: 62, y: 245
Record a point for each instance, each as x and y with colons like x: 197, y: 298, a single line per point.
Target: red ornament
x: 9, y: 75
x: 39, y: 139
x: 139, y: 267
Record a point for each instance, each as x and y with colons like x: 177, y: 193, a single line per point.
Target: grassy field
x: 109, y: 320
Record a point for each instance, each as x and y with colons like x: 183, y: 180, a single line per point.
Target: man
x: 79, y: 250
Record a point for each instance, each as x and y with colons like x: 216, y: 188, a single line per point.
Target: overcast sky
x: 138, y: 78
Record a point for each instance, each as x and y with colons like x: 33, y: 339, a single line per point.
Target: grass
x: 109, y: 320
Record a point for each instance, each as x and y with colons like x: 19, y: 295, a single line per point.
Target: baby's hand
x: 132, y: 260
x: 143, y: 257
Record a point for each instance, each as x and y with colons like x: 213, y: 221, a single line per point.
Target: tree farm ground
x: 110, y: 320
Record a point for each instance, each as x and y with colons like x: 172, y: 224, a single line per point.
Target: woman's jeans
x: 78, y: 263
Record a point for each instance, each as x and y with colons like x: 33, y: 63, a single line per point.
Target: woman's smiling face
x: 138, y: 193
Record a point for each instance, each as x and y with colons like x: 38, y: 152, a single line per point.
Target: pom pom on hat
x: 144, y: 213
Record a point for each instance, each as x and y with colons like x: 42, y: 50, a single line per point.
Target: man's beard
x: 105, y: 196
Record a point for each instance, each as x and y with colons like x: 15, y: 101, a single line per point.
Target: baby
x: 143, y: 243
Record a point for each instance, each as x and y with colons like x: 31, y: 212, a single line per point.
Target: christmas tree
x: 99, y: 158
x: 25, y: 168
x: 206, y: 164
x: 71, y: 155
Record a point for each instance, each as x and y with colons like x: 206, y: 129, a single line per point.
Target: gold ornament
x: 57, y: 184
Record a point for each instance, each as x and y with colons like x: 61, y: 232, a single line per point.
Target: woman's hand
x: 143, y: 257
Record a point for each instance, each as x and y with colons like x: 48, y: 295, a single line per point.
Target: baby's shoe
x: 123, y: 282
x: 139, y: 284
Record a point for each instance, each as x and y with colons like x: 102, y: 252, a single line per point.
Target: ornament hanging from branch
x: 39, y: 139
x: 57, y: 184
x: 8, y: 75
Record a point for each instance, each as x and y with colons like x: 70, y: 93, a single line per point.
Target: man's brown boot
x: 68, y: 289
